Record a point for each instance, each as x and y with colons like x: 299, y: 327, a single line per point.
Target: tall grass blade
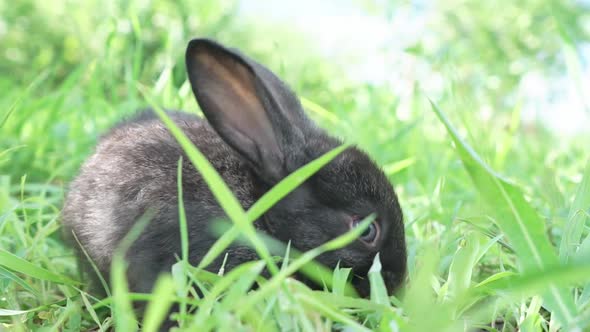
x: 20, y: 265
x: 163, y: 295
x: 220, y: 190
x: 270, y: 198
x: 307, y: 257
x: 6, y: 274
x: 319, y: 110
x: 122, y: 309
x: 572, y: 233
x: 518, y: 220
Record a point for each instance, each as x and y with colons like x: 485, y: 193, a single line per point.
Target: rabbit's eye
x: 371, y: 233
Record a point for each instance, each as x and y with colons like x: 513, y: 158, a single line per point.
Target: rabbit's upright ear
x: 249, y: 107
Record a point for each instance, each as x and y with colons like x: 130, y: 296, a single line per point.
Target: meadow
x: 496, y: 203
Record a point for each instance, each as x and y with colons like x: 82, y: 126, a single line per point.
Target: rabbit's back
x: 133, y: 172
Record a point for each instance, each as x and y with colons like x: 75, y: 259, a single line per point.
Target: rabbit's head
x: 255, y: 113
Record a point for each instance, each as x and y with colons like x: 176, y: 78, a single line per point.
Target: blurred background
x: 514, y: 76
x: 534, y: 53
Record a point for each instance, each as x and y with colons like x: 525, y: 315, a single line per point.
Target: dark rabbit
x: 256, y: 134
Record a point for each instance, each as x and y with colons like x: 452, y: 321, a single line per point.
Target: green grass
x: 496, y: 209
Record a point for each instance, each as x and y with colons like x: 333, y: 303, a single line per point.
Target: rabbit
x: 255, y: 133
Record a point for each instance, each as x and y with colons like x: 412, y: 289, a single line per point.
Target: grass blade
x: 270, y: 198
x: 398, y: 166
x: 91, y: 310
x: 251, y: 268
x: 340, y: 279
x: 572, y: 234
x: 20, y: 265
x: 315, y: 271
x: 182, y: 215
x: 228, y: 202
x: 8, y: 312
x: 122, y: 309
x: 532, y: 283
x: 462, y: 265
x: 158, y: 308
x: 517, y: 219
x: 378, y: 289
x: 319, y: 110
x: 6, y: 274
x: 27, y: 91
x: 327, y: 309
x: 184, y: 242
x: 307, y: 257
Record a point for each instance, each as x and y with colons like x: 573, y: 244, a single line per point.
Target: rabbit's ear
x: 249, y: 107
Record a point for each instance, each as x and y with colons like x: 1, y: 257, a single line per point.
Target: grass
x: 496, y: 209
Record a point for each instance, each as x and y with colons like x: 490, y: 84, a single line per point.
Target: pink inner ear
x: 234, y: 76
x: 230, y: 87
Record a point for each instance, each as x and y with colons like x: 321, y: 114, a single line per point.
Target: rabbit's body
x: 134, y: 170
x: 256, y: 134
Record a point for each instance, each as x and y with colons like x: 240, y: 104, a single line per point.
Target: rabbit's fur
x: 255, y: 133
